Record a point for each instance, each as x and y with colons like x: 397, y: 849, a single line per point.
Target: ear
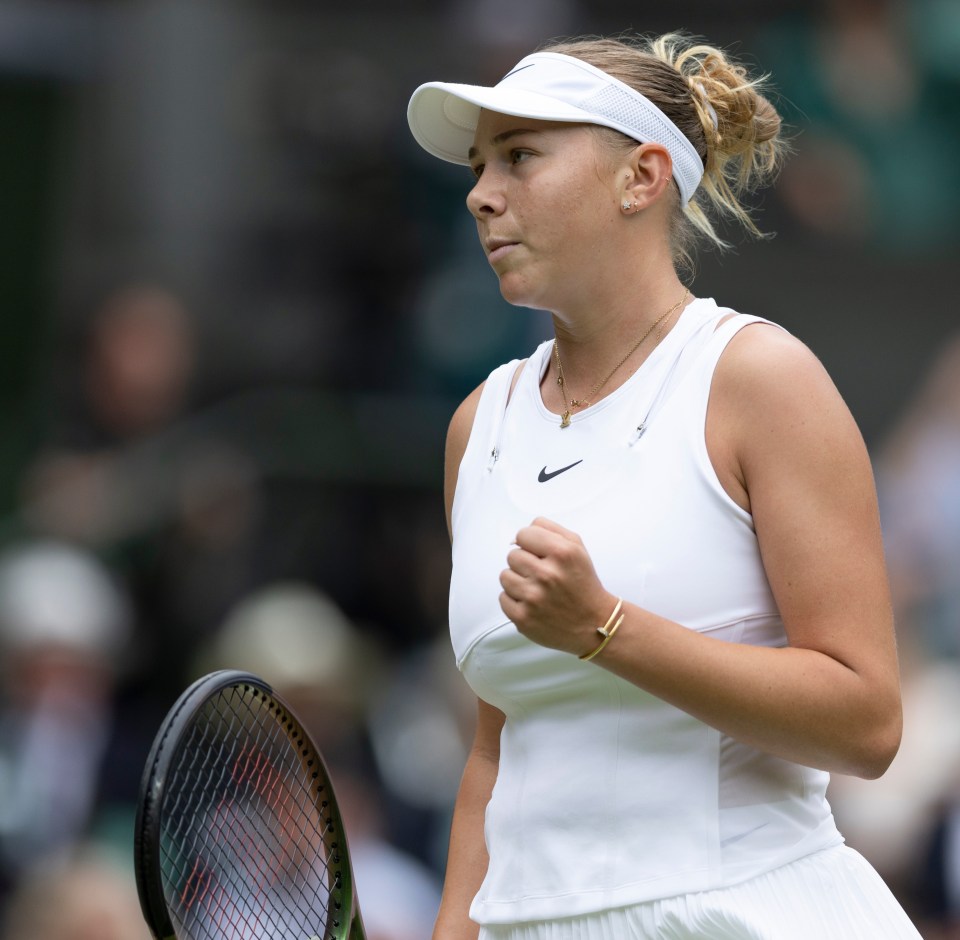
x: 648, y: 172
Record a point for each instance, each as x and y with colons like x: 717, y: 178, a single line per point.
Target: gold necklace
x: 583, y: 402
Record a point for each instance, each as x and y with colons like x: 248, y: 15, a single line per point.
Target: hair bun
x: 716, y: 103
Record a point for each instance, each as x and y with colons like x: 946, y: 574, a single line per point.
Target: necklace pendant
x: 565, y: 419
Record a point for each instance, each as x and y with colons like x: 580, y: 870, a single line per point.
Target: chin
x: 518, y: 293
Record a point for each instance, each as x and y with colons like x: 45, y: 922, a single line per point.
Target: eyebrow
x: 500, y: 138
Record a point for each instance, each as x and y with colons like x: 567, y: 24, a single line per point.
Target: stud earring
x: 625, y: 206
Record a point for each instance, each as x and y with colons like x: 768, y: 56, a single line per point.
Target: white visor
x: 548, y: 86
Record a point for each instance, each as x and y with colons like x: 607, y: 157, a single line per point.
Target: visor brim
x: 443, y: 116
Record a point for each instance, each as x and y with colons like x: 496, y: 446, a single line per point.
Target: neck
x: 617, y: 375
x: 593, y: 339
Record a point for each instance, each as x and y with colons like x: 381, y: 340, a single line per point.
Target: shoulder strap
x: 508, y: 378
x: 698, y: 358
x: 482, y: 444
x: 730, y: 327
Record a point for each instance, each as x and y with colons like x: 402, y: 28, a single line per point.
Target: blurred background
x: 238, y: 306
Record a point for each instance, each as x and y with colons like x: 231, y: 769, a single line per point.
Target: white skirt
x: 830, y: 895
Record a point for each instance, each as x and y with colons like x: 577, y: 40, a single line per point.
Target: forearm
x: 799, y: 704
x: 467, y: 855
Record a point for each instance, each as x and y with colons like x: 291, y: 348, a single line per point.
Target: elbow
x: 874, y: 764
x: 877, y: 748
x: 885, y: 752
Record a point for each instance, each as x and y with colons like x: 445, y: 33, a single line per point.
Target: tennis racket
x: 238, y: 834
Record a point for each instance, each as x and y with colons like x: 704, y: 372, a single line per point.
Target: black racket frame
x: 164, y: 753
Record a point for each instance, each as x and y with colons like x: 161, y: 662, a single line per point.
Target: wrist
x: 606, y: 631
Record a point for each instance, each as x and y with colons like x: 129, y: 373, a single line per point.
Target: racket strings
x: 251, y: 844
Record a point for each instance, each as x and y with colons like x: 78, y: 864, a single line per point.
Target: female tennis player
x: 668, y: 586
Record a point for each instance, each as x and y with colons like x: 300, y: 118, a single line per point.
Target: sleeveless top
x: 606, y: 795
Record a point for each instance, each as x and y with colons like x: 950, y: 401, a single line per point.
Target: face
x: 545, y: 204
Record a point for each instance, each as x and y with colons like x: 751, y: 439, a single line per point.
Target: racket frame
x: 343, y: 921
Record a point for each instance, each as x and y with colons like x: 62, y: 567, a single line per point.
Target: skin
x: 781, y: 440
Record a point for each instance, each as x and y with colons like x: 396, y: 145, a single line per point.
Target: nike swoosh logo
x: 514, y: 72
x: 544, y: 476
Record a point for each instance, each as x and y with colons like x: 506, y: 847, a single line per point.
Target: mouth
x: 498, y: 248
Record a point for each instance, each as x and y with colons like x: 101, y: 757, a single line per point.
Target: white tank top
x: 606, y: 795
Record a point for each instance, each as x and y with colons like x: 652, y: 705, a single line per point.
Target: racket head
x: 238, y: 833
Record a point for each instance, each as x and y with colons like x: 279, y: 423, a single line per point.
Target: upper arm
x: 778, y: 428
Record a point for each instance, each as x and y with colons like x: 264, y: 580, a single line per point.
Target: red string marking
x: 253, y: 774
x: 254, y: 769
x: 197, y: 879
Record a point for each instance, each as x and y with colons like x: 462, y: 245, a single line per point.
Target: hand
x: 551, y: 591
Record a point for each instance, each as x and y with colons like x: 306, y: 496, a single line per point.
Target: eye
x: 517, y: 156
x: 477, y: 170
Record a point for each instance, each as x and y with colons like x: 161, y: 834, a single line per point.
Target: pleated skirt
x: 830, y: 895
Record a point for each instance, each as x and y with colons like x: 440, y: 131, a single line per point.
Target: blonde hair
x: 717, y: 104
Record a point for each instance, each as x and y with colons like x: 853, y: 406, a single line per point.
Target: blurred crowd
x: 232, y: 351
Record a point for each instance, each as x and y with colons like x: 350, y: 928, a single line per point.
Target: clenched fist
x: 551, y: 590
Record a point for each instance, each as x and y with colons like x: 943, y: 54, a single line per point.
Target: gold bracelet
x: 607, y: 638
x: 606, y: 631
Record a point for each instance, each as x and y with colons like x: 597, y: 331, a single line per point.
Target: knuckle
x: 553, y: 575
x: 536, y: 594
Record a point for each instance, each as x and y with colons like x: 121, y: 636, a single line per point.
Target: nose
x: 486, y: 198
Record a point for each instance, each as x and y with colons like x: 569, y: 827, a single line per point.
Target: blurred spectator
x: 295, y: 638
x: 131, y: 472
x: 937, y: 879
x: 82, y: 896
x: 64, y: 625
x: 918, y: 474
x: 299, y: 641
x: 140, y: 361
x: 129, y: 379
x: 874, y: 161
x: 421, y: 724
